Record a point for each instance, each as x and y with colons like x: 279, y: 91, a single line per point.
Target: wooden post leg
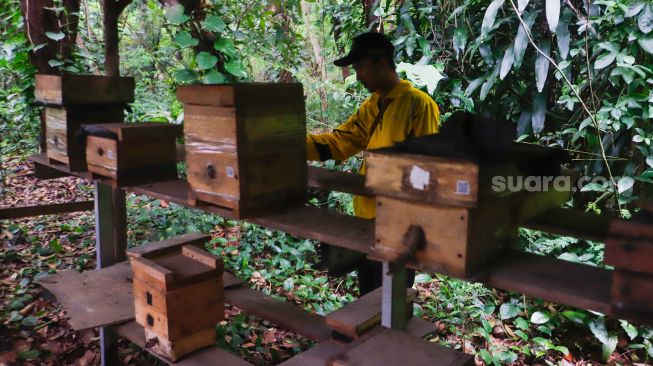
x: 110, y: 246
x: 394, y: 298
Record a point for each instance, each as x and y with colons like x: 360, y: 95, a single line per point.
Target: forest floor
x: 34, y: 330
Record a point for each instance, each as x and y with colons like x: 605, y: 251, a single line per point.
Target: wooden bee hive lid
x: 229, y: 95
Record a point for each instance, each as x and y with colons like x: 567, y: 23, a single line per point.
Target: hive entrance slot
x: 148, y: 297
x: 150, y: 320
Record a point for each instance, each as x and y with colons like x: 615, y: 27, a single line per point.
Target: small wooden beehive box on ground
x: 178, y: 299
x: 245, y: 145
x: 464, y: 220
x: 73, y: 100
x: 132, y: 154
x: 629, y: 248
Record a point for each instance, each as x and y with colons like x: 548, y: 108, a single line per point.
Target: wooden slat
x: 284, y: 314
x: 361, y: 315
x: 42, y: 159
x: 167, y: 246
x: 391, y: 347
x: 308, y: 222
x: 570, y: 222
x: 47, y: 209
x: 552, y: 279
x: 94, y: 298
x: 206, y: 356
x: 331, y: 180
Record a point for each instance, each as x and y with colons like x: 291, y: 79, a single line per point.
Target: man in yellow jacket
x: 395, y: 111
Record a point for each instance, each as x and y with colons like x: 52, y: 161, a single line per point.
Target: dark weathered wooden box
x: 131, y: 154
x: 65, y: 90
x: 245, y: 145
x: 465, y: 221
x: 178, y: 299
x: 62, y: 125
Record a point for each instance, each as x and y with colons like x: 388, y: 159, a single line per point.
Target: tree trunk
x: 39, y: 19
x: 319, y: 67
x: 370, y: 18
x: 336, y: 38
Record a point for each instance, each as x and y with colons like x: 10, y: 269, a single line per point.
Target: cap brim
x: 345, y: 61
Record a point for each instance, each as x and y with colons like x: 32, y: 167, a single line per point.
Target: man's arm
x: 346, y: 140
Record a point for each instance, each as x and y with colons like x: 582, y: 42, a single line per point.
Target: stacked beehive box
x: 245, y: 145
x: 73, y: 100
x: 132, y: 154
x: 178, y: 295
x: 463, y: 220
x: 629, y: 248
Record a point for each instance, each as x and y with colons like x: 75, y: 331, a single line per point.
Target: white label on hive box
x: 230, y: 172
x: 110, y: 154
x: 462, y: 187
x: 419, y: 178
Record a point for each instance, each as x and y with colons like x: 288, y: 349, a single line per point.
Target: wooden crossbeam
x: 47, y: 209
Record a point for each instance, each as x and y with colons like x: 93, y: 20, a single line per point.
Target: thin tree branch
x: 582, y: 103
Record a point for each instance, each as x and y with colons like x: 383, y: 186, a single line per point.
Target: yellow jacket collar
x: 403, y: 87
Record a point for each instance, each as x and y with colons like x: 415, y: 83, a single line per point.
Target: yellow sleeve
x: 426, y: 117
x: 346, y: 140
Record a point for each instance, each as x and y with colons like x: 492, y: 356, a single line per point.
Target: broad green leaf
x: 486, y: 53
x: 225, y: 46
x: 521, y: 334
x: 597, y: 328
x: 542, y: 65
x: 564, y: 350
x: 627, y: 327
x: 552, y: 14
x: 184, y: 39
x: 645, y: 20
x: 473, y: 85
x: 214, y: 23
x: 235, y: 68
x: 489, y: 83
x: 55, y: 62
x: 508, y: 311
x: 214, y: 77
x: 524, y: 124
x: 206, y: 60
x: 55, y: 36
x: 646, y: 44
x: 288, y: 284
x: 540, y: 317
x: 609, y: 347
x: 635, y: 8
x: 423, y: 278
x: 605, y: 60
x: 521, y: 323
x: 521, y: 5
x: 649, y: 161
x: 624, y: 184
x: 29, y: 354
x: 506, y: 63
x: 490, y: 17
x: 175, y: 14
x: 563, y: 38
x: 460, y: 40
x: 421, y: 75
x: 521, y: 41
x: 185, y: 75
x: 29, y: 321
x: 539, y: 112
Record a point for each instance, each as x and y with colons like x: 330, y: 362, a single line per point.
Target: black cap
x: 367, y: 44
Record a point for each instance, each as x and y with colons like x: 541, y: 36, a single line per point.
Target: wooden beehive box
x: 245, y: 145
x: 62, y: 125
x: 465, y: 221
x: 178, y: 299
x: 67, y: 90
x: 131, y: 154
x: 629, y: 248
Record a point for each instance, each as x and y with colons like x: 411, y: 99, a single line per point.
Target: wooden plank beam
x: 569, y: 222
x: 47, y: 209
x: 331, y: 180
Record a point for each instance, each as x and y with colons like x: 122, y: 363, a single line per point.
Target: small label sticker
x: 230, y: 172
x: 110, y: 154
x: 419, y: 178
x: 462, y: 187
